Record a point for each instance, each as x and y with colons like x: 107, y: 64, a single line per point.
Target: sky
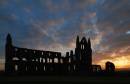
x: 55, y: 24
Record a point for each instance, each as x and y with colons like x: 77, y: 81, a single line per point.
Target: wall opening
x: 16, y: 67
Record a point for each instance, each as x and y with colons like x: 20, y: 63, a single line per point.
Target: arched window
x: 56, y: 55
x: 44, y: 68
x: 24, y: 59
x: 16, y: 67
x: 36, y: 68
x: 74, y: 67
x: 40, y: 59
x: 33, y: 60
x: 42, y: 53
x: 34, y: 52
x: 82, y: 46
x: 36, y: 60
x: 16, y: 49
x: 43, y: 60
x: 26, y: 68
x: 50, y: 60
x: 15, y: 59
x: 61, y: 61
x: 69, y: 60
x: 55, y: 60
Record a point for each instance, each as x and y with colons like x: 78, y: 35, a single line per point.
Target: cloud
x: 3, y: 2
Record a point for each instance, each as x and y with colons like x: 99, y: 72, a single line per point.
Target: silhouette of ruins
x: 110, y: 67
x: 29, y: 61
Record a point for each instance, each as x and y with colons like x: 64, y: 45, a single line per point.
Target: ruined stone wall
x: 36, y: 61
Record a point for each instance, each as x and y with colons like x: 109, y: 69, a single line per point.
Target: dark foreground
x: 62, y: 79
x: 117, y: 78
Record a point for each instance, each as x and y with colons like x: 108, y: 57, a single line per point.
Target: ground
x: 117, y: 78
x: 63, y: 79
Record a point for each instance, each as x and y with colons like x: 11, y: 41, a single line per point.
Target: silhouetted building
x: 110, y: 67
x: 96, y: 68
x: 8, y: 55
x: 83, y: 55
x: 23, y: 60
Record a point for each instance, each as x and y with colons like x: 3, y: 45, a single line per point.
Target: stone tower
x: 8, y: 54
x: 83, y: 53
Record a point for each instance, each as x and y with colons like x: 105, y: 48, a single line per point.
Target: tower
x: 89, y: 50
x: 83, y: 53
x: 77, y: 50
x: 77, y: 42
x: 8, y: 54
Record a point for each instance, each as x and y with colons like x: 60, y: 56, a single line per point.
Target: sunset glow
x: 120, y: 62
